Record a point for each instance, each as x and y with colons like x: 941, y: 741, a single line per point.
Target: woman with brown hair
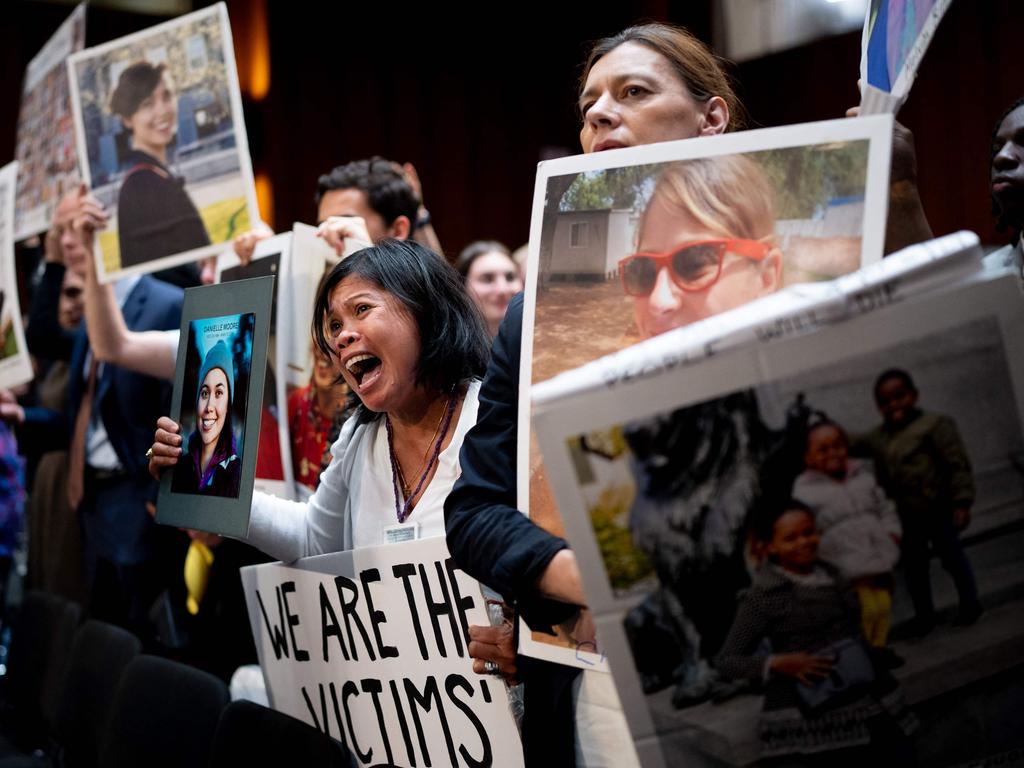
x: 647, y: 84
x: 155, y: 215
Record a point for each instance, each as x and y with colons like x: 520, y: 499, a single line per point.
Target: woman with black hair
x: 411, y: 347
x: 155, y: 215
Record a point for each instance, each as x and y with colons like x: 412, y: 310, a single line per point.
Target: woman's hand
x: 90, y: 216
x: 245, y: 243
x: 166, y: 446
x: 803, y: 667
x: 561, y: 579
x: 494, y: 644
x: 336, y: 229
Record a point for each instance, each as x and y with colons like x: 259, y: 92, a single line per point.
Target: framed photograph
x: 629, y: 244
x: 273, y: 456
x: 218, y: 403
x: 46, y: 155
x: 15, y: 365
x: 676, y: 487
x: 162, y: 143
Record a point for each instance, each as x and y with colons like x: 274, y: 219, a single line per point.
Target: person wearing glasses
x: 706, y: 244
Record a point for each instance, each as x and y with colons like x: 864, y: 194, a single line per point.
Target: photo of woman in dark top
x: 155, y: 215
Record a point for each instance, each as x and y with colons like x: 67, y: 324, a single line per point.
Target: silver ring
x: 491, y: 668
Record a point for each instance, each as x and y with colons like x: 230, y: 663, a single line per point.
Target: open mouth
x: 363, y: 368
x: 208, y: 424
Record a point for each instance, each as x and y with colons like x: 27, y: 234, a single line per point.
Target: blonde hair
x: 727, y: 195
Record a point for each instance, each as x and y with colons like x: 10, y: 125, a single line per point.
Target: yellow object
x: 875, y: 613
x: 197, y: 573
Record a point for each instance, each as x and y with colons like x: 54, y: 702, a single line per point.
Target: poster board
x: 273, y: 462
x: 634, y: 518
x: 46, y: 154
x: 808, y: 203
x: 370, y: 647
x: 179, y: 83
x: 223, y: 327
x: 896, y: 36
x: 15, y: 365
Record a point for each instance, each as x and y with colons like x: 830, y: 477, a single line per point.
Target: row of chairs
x: 80, y: 695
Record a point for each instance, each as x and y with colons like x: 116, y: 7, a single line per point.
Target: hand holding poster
x: 47, y: 160
x: 162, y: 143
x: 15, y: 366
x: 217, y: 405
x: 667, y: 527
x: 371, y: 647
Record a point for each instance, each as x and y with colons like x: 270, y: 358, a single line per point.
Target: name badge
x: 399, y: 532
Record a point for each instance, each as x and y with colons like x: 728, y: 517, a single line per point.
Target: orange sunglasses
x: 694, y: 266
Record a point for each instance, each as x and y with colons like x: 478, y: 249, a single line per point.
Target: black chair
x: 41, y: 637
x: 254, y: 736
x: 164, y: 714
x: 98, y: 658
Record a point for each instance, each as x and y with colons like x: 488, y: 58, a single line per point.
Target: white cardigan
x: 355, y: 500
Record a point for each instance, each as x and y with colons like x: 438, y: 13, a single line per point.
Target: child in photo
x: 860, y: 530
x: 922, y: 463
x: 825, y: 702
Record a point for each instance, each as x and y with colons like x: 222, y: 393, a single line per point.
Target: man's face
x: 353, y: 202
x: 71, y: 246
x: 1008, y: 167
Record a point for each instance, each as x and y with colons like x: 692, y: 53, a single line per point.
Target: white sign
x: 632, y: 243
x: 15, y: 366
x: 47, y: 161
x: 371, y: 647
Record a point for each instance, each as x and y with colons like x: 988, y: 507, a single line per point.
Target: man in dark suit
x: 108, y: 480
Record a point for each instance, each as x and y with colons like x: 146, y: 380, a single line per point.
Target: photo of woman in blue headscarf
x: 213, y: 465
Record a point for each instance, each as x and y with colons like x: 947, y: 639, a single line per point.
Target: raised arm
x: 151, y: 353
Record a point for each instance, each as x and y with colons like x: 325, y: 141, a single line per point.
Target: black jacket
x: 495, y: 543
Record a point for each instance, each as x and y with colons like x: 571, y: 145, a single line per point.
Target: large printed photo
x: 162, y: 143
x: 828, y: 545
x: 664, y: 236
x: 46, y: 155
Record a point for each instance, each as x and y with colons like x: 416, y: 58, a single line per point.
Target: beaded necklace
x: 403, y: 510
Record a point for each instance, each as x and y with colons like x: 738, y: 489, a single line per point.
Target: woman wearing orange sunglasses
x: 706, y: 244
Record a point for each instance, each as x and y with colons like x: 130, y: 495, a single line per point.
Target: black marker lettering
x: 430, y: 696
x: 276, y: 632
x: 443, y: 608
x: 377, y: 618
x: 293, y: 621
x: 487, y: 759
x: 464, y: 604
x: 404, y: 571
x: 329, y: 626
x: 403, y: 723
x: 348, y: 610
x: 374, y: 687
x: 351, y: 689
